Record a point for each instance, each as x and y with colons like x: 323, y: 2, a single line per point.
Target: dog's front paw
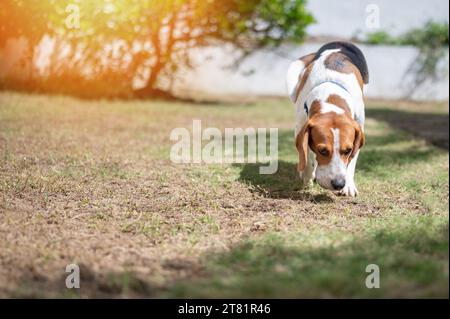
x: 305, y: 180
x: 305, y: 184
x: 349, y: 190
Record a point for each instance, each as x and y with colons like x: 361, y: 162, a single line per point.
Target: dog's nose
x: 338, y: 183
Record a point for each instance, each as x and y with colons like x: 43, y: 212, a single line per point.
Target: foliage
x: 20, y: 18
x: 432, y: 34
x: 380, y: 37
x: 128, y: 40
x: 432, y: 41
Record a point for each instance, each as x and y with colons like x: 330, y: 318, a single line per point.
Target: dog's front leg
x: 350, y: 186
x: 308, y: 174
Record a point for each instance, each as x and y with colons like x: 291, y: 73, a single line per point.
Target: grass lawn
x: 91, y: 183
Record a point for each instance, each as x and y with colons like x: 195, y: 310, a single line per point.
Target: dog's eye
x: 323, y: 151
x: 347, y: 151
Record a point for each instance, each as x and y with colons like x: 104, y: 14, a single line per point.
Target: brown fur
x: 314, y: 108
x: 318, y: 135
x: 307, y: 59
x: 335, y: 61
x: 339, y: 102
x: 340, y: 63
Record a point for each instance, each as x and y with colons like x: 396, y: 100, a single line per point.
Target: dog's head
x: 335, y: 138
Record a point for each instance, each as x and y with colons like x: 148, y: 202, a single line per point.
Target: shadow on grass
x: 431, y: 127
x: 410, y: 257
x: 93, y: 284
x: 285, y: 183
x: 373, y: 160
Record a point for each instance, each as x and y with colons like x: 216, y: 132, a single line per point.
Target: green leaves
x: 431, y: 34
x: 432, y: 40
x: 154, y: 35
x: 226, y: 20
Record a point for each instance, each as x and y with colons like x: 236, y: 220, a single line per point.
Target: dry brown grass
x: 91, y: 183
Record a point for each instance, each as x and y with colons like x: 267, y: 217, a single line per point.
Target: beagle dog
x: 327, y: 89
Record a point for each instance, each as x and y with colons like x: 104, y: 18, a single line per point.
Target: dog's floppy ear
x: 301, y: 142
x: 359, y: 140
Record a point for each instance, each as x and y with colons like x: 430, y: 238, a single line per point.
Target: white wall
x: 344, y: 18
x: 340, y: 19
x: 264, y: 73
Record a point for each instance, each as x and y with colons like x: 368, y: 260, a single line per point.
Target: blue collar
x: 305, y: 106
x: 334, y: 82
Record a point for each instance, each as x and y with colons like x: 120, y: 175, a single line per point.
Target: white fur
x: 317, y: 88
x: 336, y: 168
x: 328, y: 107
x: 350, y: 187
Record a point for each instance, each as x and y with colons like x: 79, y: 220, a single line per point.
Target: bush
x: 433, y: 34
x: 432, y: 40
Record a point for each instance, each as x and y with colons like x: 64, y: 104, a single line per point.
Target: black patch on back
x: 352, y: 52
